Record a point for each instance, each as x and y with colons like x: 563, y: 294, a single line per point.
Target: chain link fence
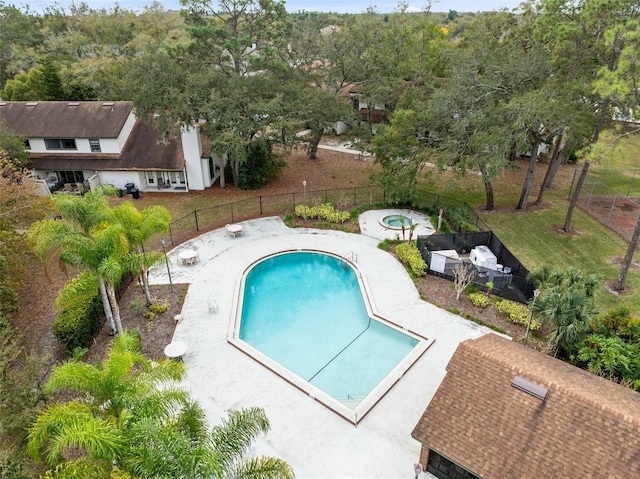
x: 610, y: 206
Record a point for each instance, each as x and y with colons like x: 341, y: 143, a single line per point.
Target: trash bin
x: 135, y: 193
x: 119, y: 192
x: 129, y: 187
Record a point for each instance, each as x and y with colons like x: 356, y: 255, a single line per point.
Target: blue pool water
x: 306, y: 312
x: 396, y: 221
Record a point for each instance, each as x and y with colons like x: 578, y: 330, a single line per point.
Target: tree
x: 40, y: 83
x: 129, y: 414
x: 19, y: 30
x: 612, y: 357
x: 463, y: 123
x: 232, y: 74
x: 401, y: 155
x: 462, y: 277
x: 139, y: 226
x: 13, y: 154
x: 567, y: 303
x: 86, y: 239
x: 586, y: 37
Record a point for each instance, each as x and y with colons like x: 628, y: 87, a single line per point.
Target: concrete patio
x: 316, y: 442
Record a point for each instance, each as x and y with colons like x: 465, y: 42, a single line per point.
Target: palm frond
x: 261, y: 468
x: 85, y: 284
x: 233, y: 438
x: 81, y: 377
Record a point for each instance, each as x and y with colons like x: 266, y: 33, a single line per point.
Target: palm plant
x: 139, y: 226
x: 127, y: 415
x: 98, y: 250
x: 567, y: 303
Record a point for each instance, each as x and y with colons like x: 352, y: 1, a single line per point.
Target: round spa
x: 395, y: 222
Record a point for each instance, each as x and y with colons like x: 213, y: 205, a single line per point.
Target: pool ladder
x: 351, y: 256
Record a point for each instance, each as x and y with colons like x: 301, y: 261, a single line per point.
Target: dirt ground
x: 331, y: 170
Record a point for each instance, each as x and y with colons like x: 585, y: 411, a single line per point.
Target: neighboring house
x: 365, y: 114
x: 507, y: 411
x: 90, y: 143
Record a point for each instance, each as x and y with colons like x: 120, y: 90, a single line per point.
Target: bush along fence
x: 206, y: 219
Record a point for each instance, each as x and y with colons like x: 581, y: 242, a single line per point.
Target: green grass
x: 621, y: 172
x: 532, y: 236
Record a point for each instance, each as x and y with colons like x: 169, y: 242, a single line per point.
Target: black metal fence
x: 198, y: 221
x: 516, y: 286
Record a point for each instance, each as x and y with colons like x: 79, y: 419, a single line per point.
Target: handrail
x: 351, y: 256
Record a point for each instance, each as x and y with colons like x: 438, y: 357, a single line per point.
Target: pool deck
x: 315, y: 441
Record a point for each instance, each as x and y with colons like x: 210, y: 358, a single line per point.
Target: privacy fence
x: 206, y: 219
x: 515, y: 285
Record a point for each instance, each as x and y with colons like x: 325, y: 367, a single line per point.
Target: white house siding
x: 197, y: 168
x: 126, y: 131
x: 121, y: 178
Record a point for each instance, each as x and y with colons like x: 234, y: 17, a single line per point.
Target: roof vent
x: 110, y: 103
x: 75, y: 103
x: 534, y: 390
x: 32, y: 103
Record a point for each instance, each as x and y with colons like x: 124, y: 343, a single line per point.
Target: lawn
x: 533, y: 236
x: 621, y: 171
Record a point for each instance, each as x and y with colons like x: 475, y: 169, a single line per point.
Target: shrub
x: 289, y: 220
x: 409, y: 255
x: 79, y: 320
x: 259, y: 165
x: 159, y: 307
x: 479, y: 299
x: 138, y: 306
x: 324, y: 211
x: 516, y: 313
x: 386, y: 244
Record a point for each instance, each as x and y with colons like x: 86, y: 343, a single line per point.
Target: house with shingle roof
x: 507, y: 411
x: 105, y: 143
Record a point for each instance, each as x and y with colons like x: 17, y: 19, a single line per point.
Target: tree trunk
x: 574, y: 199
x: 551, y: 171
x: 235, y: 167
x: 144, y: 276
x: 628, y: 257
x: 556, y: 161
x: 316, y: 136
x: 106, y: 305
x: 585, y: 168
x: 223, y: 179
x: 488, y: 188
x: 528, y: 180
x: 114, y: 307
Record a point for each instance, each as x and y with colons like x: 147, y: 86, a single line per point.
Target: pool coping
x: 315, y: 441
x: 353, y: 415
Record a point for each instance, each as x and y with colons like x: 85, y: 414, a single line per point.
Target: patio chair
x: 213, y: 306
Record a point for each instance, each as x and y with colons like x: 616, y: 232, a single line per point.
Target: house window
x: 444, y: 468
x: 70, y: 176
x: 60, y: 144
x: 94, y: 143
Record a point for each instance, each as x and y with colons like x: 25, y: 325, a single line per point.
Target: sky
x: 339, y: 6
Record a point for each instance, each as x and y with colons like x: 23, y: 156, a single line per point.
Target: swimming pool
x: 304, y: 313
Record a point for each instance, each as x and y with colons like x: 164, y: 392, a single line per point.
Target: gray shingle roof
x: 66, y: 119
x: 142, y: 151
x: 585, y: 427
